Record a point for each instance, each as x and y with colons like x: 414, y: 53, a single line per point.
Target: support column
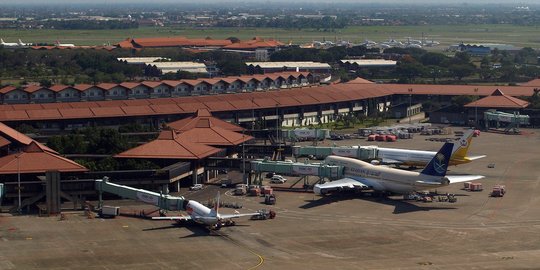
x: 52, y: 191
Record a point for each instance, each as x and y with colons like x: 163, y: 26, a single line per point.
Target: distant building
x: 269, y: 67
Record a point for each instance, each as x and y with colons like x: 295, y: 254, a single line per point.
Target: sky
x: 446, y: 2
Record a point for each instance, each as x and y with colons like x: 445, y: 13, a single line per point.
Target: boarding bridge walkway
x: 166, y: 202
x: 323, y: 171
x: 321, y: 152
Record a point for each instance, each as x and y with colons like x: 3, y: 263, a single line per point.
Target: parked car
x: 196, y: 187
x: 278, y: 179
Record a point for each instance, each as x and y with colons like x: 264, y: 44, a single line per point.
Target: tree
x: 460, y: 71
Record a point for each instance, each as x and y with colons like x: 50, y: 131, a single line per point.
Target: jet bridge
x: 166, y: 202
x: 320, y: 152
x: 296, y: 168
x: 512, y: 121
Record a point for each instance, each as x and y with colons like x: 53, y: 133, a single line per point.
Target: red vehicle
x: 380, y: 137
x: 498, y: 191
x: 371, y: 137
x: 391, y: 138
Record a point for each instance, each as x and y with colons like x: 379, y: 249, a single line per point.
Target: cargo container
x: 476, y: 187
x: 467, y: 185
x: 109, y: 211
x: 254, y: 190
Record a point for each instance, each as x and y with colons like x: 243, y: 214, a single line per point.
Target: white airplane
x: 362, y: 175
x: 58, y: 44
x: 19, y: 44
x: 415, y: 158
x: 24, y: 44
x: 391, y: 44
x: 201, y: 214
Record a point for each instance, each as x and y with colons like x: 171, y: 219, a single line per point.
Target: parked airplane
x: 206, y: 216
x: 58, y: 44
x: 19, y: 44
x: 363, y: 175
x: 408, y: 157
x: 392, y: 43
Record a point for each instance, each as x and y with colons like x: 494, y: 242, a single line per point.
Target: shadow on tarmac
x: 400, y: 206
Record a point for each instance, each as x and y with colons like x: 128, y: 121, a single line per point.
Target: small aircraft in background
x: 58, y: 44
x: 19, y: 44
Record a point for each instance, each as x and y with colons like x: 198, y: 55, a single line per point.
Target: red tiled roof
x: 82, y: 87
x: 4, y: 141
x: 205, y: 115
x: 107, y: 86
x: 130, y: 85
x: 152, y: 84
x: 7, y: 89
x: 34, y: 160
x: 499, y: 100
x: 169, y: 146
x: 176, y: 42
x: 12, y: 134
x: 137, y: 110
x: 535, y: 82
x: 33, y: 88
x: 359, y: 81
x: 75, y: 113
x: 58, y: 87
x: 207, y: 133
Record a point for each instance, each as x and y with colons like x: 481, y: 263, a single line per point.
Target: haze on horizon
x: 375, y: 2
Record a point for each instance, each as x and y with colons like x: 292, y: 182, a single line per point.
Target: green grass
x: 526, y: 36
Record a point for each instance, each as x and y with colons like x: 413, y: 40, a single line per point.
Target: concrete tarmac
x: 346, y: 231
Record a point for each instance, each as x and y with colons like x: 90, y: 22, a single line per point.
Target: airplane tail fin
x: 439, y: 164
x: 215, y: 210
x: 462, y: 146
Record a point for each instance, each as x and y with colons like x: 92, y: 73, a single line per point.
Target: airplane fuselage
x: 380, y: 178
x: 413, y: 157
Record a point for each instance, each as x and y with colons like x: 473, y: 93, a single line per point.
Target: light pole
x: 410, y: 104
x: 252, y: 115
x: 277, y: 124
x: 244, y: 178
x: 476, y: 109
x: 19, y: 209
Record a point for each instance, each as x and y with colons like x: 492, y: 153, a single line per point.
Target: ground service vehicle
x: 278, y: 179
x: 196, y: 187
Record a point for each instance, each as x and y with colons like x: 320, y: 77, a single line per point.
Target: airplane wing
x: 345, y: 183
x: 463, y: 178
x: 229, y: 216
x: 186, y: 218
x: 476, y: 157
x: 391, y: 161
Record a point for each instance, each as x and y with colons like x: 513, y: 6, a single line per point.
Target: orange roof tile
x: 44, y: 114
x: 170, y: 146
x: 76, y: 113
x: 7, y: 89
x: 33, y: 88
x: 130, y: 85
x: 82, y: 87
x: 107, y: 111
x: 137, y: 110
x: 107, y: 86
x: 205, y: 115
x: 4, y: 141
x: 535, y: 82
x: 58, y: 87
x: 34, y: 160
x: 206, y: 132
x: 499, y: 100
x: 166, y: 109
x: 13, y: 135
x: 192, y: 107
